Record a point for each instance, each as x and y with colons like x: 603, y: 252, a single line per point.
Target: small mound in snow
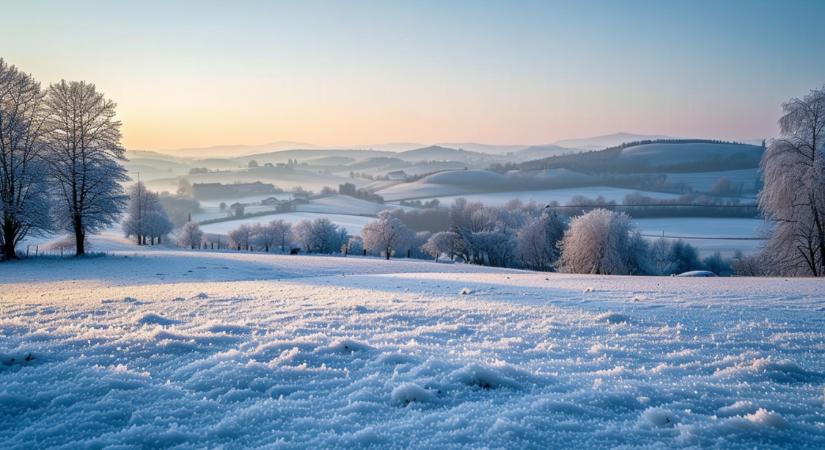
x: 659, y: 417
x: 738, y: 408
x: 155, y: 319
x: 202, y: 296
x: 466, y: 291
x: 612, y: 317
x: 697, y: 273
x: 483, y: 377
x: 760, y: 419
x: 348, y: 346
x: 783, y: 370
x: 408, y: 393
x: 763, y: 417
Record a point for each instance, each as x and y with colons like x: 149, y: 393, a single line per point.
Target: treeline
x: 60, y: 160
x: 351, y: 190
x: 599, y: 241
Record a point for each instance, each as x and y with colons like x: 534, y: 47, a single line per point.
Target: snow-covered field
x: 709, y: 233
x: 342, y: 204
x: 559, y: 195
x: 353, y: 224
x: 192, y: 350
x: 704, y: 181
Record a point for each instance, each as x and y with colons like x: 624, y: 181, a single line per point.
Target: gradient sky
x: 202, y: 73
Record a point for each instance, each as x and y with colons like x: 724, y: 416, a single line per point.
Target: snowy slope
x: 562, y: 196
x: 352, y: 223
x: 192, y: 350
x: 341, y: 204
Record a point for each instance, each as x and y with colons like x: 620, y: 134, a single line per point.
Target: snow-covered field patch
x: 193, y: 350
x: 563, y: 196
x: 352, y: 223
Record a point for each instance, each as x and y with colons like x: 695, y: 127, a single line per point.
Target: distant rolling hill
x: 657, y: 156
x: 437, y: 153
x: 608, y: 140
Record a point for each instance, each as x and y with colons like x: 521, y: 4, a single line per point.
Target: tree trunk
x: 79, y: 236
x: 388, y: 254
x: 8, y: 240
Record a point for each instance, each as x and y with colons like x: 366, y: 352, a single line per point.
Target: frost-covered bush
x: 717, y: 264
x: 601, y: 242
x: 538, y: 241
x: 749, y: 265
x: 667, y: 257
x: 684, y: 257
x: 353, y: 246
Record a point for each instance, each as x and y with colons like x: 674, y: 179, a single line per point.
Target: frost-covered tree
x: 443, y: 243
x: 319, y: 236
x: 24, y: 197
x: 354, y: 245
x: 85, y: 156
x: 190, y: 236
x: 387, y: 235
x: 538, y: 241
x: 241, y: 238
x: 793, y: 196
x: 419, y: 239
x: 599, y: 242
x: 159, y: 225
x: 684, y: 257
x: 146, y: 217
x: 496, y: 247
x: 283, y: 233
x: 659, y: 257
x: 264, y: 236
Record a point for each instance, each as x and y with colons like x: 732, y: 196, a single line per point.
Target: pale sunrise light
x: 412, y: 224
x: 189, y: 74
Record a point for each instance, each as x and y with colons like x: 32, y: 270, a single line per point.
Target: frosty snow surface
x: 191, y: 350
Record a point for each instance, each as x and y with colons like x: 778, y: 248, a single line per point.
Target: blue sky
x: 207, y: 73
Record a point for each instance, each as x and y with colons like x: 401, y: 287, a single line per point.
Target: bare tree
x: 24, y: 199
x: 85, y: 155
x: 793, y: 197
x: 386, y: 235
x: 190, y: 236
